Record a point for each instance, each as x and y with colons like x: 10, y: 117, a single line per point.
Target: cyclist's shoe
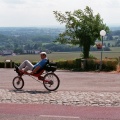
x: 18, y: 71
x: 16, y: 68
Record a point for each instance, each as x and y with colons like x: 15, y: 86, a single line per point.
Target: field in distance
x: 60, y: 56
x: 54, y: 56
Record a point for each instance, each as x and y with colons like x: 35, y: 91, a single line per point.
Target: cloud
x: 40, y: 12
x: 13, y: 1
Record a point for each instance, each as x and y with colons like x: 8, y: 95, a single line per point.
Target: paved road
x: 81, y: 96
x: 70, y: 81
x: 56, y: 112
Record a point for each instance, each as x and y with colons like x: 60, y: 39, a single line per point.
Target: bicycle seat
x: 50, y: 67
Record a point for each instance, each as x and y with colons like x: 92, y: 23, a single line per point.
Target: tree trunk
x: 86, y: 49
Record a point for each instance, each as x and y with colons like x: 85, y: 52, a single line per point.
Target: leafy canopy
x: 82, y: 28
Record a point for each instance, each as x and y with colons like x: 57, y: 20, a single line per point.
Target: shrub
x: 110, y: 65
x: 69, y: 64
x: 91, y: 64
x: 1, y: 64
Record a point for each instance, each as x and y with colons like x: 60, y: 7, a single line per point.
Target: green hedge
x: 1, y: 64
x: 90, y: 64
x: 7, y: 64
x: 70, y: 64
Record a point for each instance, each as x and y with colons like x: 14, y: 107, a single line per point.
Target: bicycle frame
x: 38, y: 75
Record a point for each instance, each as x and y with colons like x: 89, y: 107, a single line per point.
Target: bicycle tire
x: 53, y: 81
x: 18, y: 83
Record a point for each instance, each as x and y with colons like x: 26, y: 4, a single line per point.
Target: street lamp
x: 102, y: 33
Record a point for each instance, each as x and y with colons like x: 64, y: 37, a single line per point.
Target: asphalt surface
x: 70, y: 81
x: 103, y: 86
x: 56, y: 112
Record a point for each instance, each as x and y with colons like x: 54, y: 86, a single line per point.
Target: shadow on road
x: 30, y: 91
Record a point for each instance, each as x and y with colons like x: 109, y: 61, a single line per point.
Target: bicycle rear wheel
x: 18, y: 83
x: 51, y: 81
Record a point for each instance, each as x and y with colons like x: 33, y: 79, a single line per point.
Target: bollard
x: 7, y: 61
x: 83, y: 64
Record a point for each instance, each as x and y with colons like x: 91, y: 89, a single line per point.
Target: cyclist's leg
x: 27, y: 65
x: 27, y: 68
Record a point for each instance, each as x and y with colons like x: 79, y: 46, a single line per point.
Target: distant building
x: 6, y: 52
x: 31, y: 52
x: 37, y: 51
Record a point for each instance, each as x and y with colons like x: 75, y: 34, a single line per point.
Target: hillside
x: 19, y: 39
x: 114, y: 28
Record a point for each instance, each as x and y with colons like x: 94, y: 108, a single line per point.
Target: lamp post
x: 102, y: 33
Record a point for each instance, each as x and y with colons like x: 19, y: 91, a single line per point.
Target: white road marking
x: 53, y: 116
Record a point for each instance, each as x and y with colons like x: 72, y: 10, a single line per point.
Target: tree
x: 110, y: 36
x: 82, y: 28
x: 18, y: 50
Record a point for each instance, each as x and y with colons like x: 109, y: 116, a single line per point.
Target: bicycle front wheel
x: 51, y: 81
x: 18, y: 83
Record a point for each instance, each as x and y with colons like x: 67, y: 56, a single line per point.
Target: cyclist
x: 27, y: 65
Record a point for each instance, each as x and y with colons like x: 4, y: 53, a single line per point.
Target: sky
x: 36, y: 13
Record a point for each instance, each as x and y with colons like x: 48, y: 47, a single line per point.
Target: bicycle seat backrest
x: 50, y: 67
